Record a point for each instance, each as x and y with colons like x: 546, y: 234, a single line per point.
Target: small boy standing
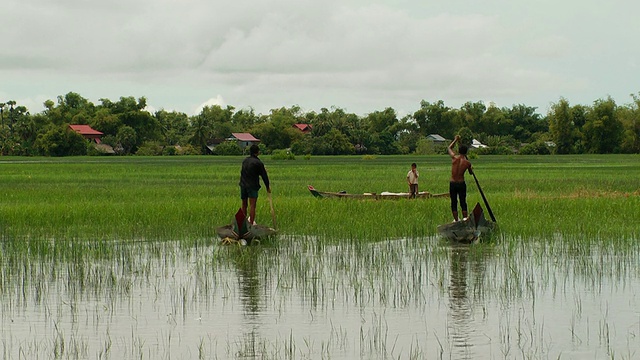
x: 412, y: 180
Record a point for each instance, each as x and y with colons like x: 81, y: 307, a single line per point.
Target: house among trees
x: 93, y: 136
x: 305, y: 128
x: 243, y: 139
x: 212, y: 145
x: 87, y: 132
x: 436, y: 138
x: 477, y: 144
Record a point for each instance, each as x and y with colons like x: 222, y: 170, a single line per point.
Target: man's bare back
x: 457, y: 186
x: 459, y: 164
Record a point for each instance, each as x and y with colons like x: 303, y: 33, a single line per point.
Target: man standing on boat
x: 412, y: 180
x: 252, y: 170
x: 457, y: 186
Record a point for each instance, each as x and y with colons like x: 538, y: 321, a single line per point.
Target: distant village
x: 74, y: 126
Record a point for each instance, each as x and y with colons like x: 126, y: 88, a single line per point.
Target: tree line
x: 601, y: 128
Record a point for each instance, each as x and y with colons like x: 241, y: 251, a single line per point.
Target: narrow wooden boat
x: 375, y: 196
x: 241, y: 232
x: 468, y: 230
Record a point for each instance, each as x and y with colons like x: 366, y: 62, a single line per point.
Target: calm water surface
x: 307, y: 298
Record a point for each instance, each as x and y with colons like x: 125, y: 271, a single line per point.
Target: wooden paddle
x: 493, y: 218
x: 273, y: 213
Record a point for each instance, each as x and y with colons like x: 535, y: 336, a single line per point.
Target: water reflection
x: 464, y: 273
x: 246, y: 264
x: 512, y: 299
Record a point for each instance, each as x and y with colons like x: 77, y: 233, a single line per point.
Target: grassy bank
x: 168, y: 198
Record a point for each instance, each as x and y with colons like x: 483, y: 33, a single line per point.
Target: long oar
x: 484, y: 198
x: 273, y: 213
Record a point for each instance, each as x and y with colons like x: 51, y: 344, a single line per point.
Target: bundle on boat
x: 241, y: 232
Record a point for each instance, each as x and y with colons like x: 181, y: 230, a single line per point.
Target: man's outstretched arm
x: 450, y: 148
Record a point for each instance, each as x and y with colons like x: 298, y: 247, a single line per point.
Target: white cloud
x: 218, y: 100
x: 359, y: 55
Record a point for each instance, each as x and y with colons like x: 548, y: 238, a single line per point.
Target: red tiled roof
x: 85, y: 130
x: 244, y: 137
x: 303, y: 127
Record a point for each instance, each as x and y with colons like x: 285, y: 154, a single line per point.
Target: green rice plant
x: 167, y: 198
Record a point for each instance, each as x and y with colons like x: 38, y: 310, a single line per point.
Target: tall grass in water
x: 308, y: 297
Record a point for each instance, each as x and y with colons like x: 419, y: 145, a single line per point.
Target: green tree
x: 227, y: 148
x: 630, y: 118
x: 435, y: 118
x: 603, y: 130
x: 425, y: 147
x: 61, y: 141
x: 106, y: 122
x: 561, y: 127
x: 470, y: 115
x: 321, y: 122
x: 132, y: 113
x: 127, y: 138
x: 466, y: 136
x: 338, y: 143
x: 146, y: 126
x: 278, y: 131
x: 72, y: 109
x: 149, y: 148
x: 218, y: 120
x: 380, y: 121
x: 408, y: 141
x: 244, y: 119
x: 336, y: 119
x: 385, y: 143
x: 201, y: 133
x: 303, y: 146
x: 26, y: 130
x: 526, y: 122
x: 495, y: 122
x: 175, y: 127
x: 535, y: 148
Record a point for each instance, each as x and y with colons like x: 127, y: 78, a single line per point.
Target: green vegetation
x: 601, y: 128
x: 346, y: 279
x: 188, y: 197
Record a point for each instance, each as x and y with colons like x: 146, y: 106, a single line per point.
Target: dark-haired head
x: 254, y: 149
x: 462, y: 149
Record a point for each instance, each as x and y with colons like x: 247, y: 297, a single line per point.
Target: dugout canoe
x: 241, y: 232
x: 469, y: 230
x: 375, y: 196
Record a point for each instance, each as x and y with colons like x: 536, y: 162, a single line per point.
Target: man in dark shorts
x: 457, y: 186
x: 252, y: 170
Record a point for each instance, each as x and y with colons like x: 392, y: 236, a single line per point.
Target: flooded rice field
x: 308, y: 298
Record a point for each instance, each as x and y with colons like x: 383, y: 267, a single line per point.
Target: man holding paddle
x: 457, y: 186
x: 252, y: 170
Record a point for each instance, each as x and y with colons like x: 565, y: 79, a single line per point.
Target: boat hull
x: 469, y: 230
x: 373, y: 196
x: 254, y: 232
x: 241, y: 232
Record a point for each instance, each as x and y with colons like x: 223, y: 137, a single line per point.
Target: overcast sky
x: 357, y: 55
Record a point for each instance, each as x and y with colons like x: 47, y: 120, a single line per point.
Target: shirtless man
x: 457, y: 186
